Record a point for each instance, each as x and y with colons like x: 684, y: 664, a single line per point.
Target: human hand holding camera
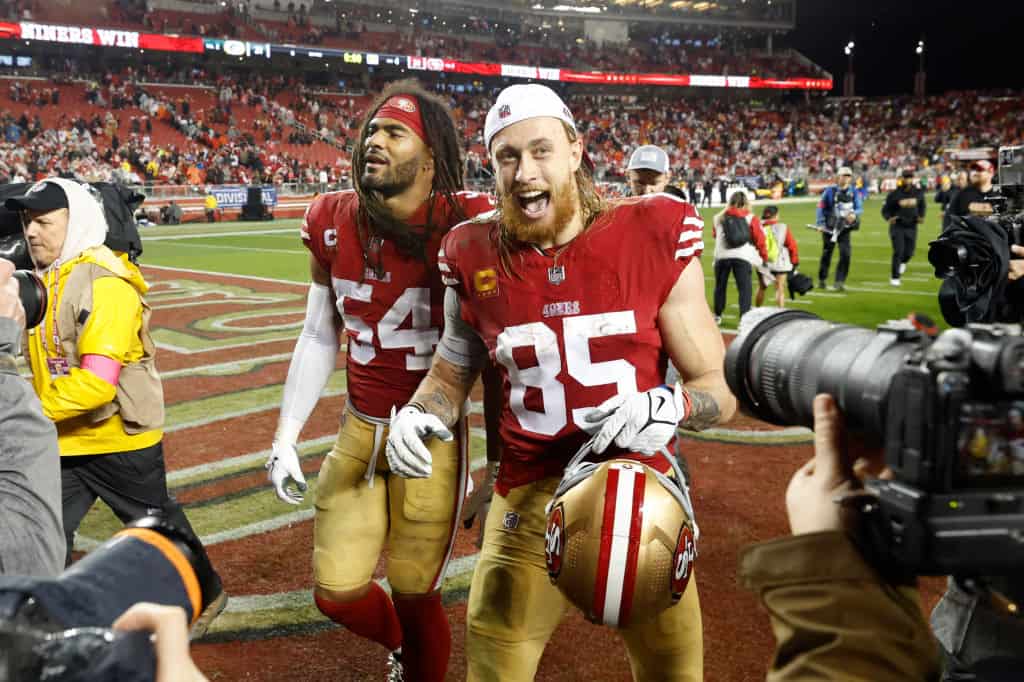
x: 835, y: 470
x: 1016, y: 262
x: 170, y: 634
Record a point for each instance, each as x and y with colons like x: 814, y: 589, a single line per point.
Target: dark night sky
x: 973, y: 44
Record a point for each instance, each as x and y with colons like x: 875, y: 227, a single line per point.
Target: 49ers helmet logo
x: 554, y: 541
x: 682, y: 561
x: 404, y: 104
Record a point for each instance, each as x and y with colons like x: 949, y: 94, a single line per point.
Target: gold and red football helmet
x: 621, y: 538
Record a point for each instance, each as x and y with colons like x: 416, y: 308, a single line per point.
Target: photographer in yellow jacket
x: 92, y: 362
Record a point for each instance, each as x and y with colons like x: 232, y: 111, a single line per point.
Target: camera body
x: 954, y: 440
x: 949, y: 414
x: 1009, y: 207
x: 58, y: 630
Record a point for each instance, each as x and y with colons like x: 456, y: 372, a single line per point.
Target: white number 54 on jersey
x: 420, y: 337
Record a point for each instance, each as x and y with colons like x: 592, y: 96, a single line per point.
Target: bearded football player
x: 375, y: 282
x: 581, y: 305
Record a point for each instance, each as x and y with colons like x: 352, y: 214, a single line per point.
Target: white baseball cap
x: 519, y: 102
x: 649, y: 157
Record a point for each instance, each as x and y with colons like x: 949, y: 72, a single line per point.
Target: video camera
x: 57, y: 630
x: 972, y: 255
x: 949, y: 413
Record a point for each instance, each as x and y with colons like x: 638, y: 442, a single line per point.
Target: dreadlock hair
x: 375, y: 219
x: 591, y: 206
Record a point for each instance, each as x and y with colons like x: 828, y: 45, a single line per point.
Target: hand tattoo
x: 438, y: 404
x: 704, y: 411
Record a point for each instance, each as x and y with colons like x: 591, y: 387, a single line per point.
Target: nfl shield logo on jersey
x: 556, y: 274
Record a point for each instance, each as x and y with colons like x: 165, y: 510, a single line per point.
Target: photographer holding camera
x: 977, y: 198
x: 31, y: 536
x: 92, y: 361
x: 946, y: 411
x: 838, y: 214
x: 834, y: 616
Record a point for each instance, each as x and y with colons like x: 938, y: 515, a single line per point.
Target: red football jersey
x: 393, y: 320
x: 572, y: 326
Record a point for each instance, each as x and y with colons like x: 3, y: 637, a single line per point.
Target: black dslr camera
x: 949, y: 413
x: 972, y: 255
x: 58, y: 630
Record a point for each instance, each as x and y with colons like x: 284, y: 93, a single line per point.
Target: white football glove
x: 639, y: 422
x: 407, y: 456
x: 479, y: 503
x: 283, y: 470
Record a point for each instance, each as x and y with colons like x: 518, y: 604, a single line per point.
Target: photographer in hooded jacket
x: 833, y: 614
x: 92, y: 362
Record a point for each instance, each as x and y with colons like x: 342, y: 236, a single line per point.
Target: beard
x: 561, y: 211
x: 391, y: 180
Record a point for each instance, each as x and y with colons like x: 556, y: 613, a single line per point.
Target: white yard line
x: 206, y: 421
x: 239, y: 248
x: 205, y: 235
x: 233, y: 462
x: 181, y: 350
x: 224, y: 274
x: 251, y: 603
x: 218, y: 366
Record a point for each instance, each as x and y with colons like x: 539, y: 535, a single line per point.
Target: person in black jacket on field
x: 904, y: 208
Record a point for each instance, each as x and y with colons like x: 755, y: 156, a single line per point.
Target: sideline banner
x: 235, y: 196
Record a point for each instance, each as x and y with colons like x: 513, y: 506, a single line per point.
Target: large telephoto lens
x: 781, y: 359
x: 33, y: 297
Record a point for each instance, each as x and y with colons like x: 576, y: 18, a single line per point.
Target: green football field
x: 273, y: 250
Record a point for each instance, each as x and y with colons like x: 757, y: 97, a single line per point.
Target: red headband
x: 404, y: 110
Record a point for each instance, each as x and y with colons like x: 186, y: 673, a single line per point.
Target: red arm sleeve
x: 794, y: 256
x: 316, y: 233
x: 757, y: 232
x: 676, y: 232
x: 689, y: 233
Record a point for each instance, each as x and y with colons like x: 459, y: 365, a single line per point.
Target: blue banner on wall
x: 235, y: 197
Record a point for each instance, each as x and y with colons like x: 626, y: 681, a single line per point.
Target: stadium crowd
x: 355, y: 26
x: 242, y: 128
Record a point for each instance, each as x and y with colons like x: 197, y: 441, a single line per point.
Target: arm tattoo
x: 438, y: 404
x: 704, y: 411
x: 465, y: 376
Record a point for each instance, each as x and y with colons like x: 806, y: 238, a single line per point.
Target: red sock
x: 372, y: 616
x: 427, y: 637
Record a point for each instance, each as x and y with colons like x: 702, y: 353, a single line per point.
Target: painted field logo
x: 554, y: 541
x: 682, y: 561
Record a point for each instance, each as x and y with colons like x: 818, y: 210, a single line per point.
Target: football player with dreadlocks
x: 373, y: 261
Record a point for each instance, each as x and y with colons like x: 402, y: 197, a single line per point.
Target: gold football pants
x: 360, y: 506
x: 514, y: 608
